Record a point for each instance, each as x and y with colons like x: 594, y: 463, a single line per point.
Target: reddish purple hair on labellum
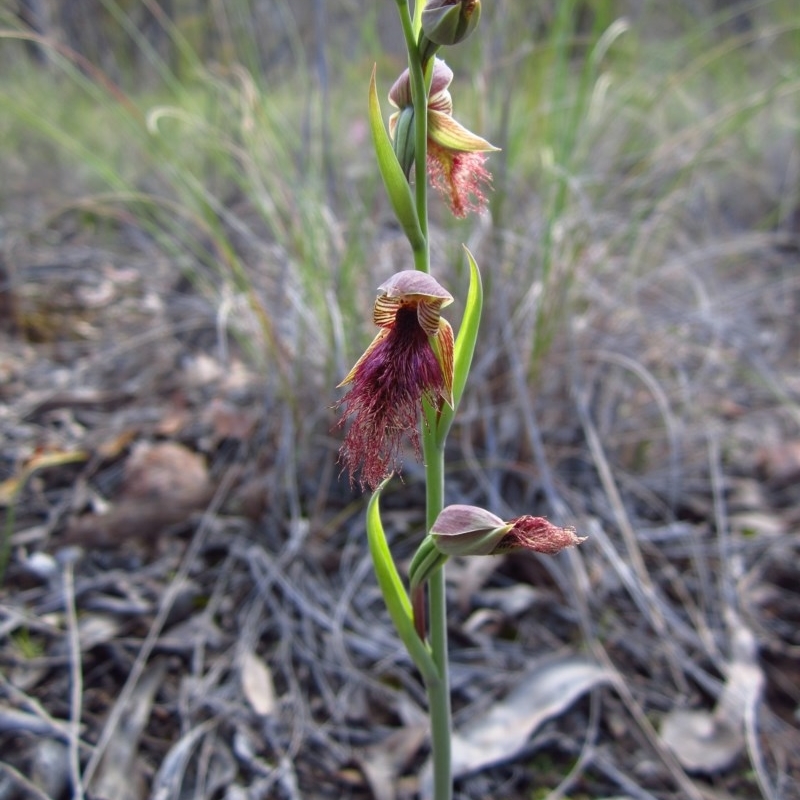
x: 461, y: 177
x: 411, y: 358
x: 538, y: 534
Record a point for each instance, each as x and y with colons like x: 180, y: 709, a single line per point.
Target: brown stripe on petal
x: 385, y: 311
x: 445, y: 350
x: 441, y: 102
x: 429, y: 314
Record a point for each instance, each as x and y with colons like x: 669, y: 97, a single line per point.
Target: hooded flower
x: 456, y: 156
x: 410, y: 359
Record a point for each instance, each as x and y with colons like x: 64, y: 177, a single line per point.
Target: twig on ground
x: 652, y: 607
x: 76, y: 681
x: 31, y: 788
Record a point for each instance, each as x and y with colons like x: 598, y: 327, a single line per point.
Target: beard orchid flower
x: 456, y: 156
x: 410, y: 360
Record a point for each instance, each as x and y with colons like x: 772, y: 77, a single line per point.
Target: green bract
x: 394, y: 594
x: 464, y: 347
x: 392, y: 173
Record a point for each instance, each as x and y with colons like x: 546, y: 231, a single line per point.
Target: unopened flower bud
x: 462, y: 530
x: 447, y: 22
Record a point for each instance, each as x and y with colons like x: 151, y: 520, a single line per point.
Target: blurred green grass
x: 625, y: 128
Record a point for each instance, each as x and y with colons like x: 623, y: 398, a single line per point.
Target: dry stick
x: 155, y: 629
x: 756, y: 755
x: 665, y: 754
x: 599, y: 651
x: 730, y: 571
x: 622, y: 687
x: 629, y: 536
x: 587, y: 753
x: 76, y: 680
x: 50, y: 726
x: 29, y: 786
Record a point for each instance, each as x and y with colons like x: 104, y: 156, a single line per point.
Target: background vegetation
x: 191, y: 233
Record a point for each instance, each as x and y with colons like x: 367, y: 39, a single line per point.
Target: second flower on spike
x: 456, y: 156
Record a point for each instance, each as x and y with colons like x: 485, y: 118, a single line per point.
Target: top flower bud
x: 446, y: 22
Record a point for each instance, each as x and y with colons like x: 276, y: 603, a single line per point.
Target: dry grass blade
x: 167, y: 782
x: 652, y: 606
x: 20, y: 780
x: 76, y: 682
x: 119, y: 772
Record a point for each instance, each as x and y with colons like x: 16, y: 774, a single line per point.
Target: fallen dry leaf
x: 700, y: 741
x: 163, y: 484
x: 781, y: 462
x: 383, y: 763
x: 504, y: 730
x: 10, y: 488
x: 257, y: 683
x: 710, y: 741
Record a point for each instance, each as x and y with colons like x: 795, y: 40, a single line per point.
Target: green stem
x: 419, y: 96
x: 433, y: 450
x: 439, y: 691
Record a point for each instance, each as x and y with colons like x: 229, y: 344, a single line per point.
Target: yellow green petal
x: 443, y: 345
x: 451, y: 135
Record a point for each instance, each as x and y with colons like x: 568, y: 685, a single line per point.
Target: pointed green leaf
x: 392, y: 173
x: 393, y: 591
x: 464, y: 347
